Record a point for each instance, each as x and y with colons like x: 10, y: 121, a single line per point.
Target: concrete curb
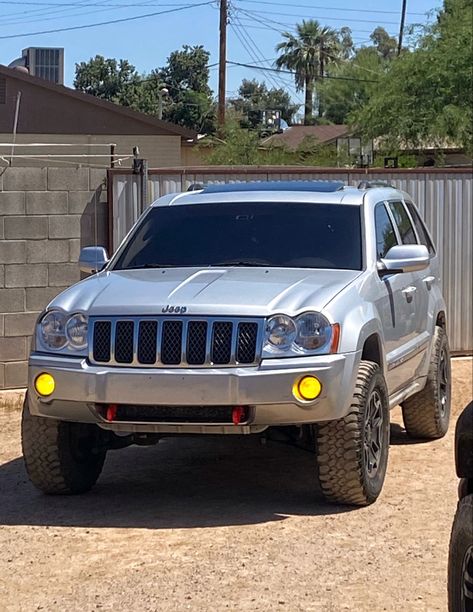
x: 11, y: 400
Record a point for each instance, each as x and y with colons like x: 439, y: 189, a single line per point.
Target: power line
x: 53, y: 15
x: 284, y: 26
x: 252, y: 49
x: 326, y: 8
x: 102, y: 23
x: 326, y: 76
x: 262, y: 12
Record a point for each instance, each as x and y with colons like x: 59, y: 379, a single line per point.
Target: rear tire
x: 61, y: 458
x: 427, y: 413
x: 352, y: 452
x: 460, y: 560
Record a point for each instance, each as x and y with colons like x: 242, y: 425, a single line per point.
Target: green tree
x: 346, y: 43
x: 425, y: 97
x: 354, y: 83
x: 188, y: 101
x: 384, y: 44
x: 107, y: 78
x: 255, y: 97
x: 309, y: 53
x: 186, y: 76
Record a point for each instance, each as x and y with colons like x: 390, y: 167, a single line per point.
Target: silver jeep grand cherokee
x: 234, y: 308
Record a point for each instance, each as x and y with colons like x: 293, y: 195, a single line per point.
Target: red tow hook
x: 111, y: 413
x: 238, y: 415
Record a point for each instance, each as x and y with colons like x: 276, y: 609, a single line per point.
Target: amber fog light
x: 307, y: 389
x: 44, y: 384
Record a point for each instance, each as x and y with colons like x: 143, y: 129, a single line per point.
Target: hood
x: 211, y: 292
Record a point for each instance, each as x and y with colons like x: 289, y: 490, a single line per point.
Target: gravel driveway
x: 208, y: 524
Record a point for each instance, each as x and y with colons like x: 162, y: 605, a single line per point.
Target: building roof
x: 293, y: 136
x: 59, y: 109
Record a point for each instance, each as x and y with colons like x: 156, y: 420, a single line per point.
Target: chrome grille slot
x: 196, y: 342
x: 171, y: 342
x: 246, y: 346
x: 102, y: 341
x: 175, y: 342
x: 147, y: 342
x: 222, y: 343
x: 124, y: 341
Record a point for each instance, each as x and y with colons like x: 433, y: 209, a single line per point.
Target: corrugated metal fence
x: 443, y: 196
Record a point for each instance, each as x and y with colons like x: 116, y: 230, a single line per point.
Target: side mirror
x: 92, y: 259
x: 404, y: 258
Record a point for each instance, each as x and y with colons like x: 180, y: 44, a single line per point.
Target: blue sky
x: 253, y: 33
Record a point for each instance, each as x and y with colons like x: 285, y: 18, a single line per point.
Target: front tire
x: 61, y: 458
x: 460, y: 561
x: 426, y: 414
x: 352, y: 452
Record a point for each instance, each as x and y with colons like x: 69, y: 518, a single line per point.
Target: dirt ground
x: 206, y: 524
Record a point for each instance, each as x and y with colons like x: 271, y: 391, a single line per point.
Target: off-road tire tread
x: 458, y: 541
x: 49, y: 464
x: 340, y: 446
x: 420, y: 412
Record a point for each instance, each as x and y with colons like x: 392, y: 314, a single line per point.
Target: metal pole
x: 401, y: 29
x: 222, y: 62
x: 160, y: 105
x: 15, y: 125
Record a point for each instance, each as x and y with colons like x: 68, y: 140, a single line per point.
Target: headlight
x: 52, y: 330
x: 281, y: 332
x: 58, y: 331
x: 309, y: 333
x: 313, y: 331
x: 76, y: 331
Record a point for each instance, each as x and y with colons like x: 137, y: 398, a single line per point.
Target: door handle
x: 408, y: 293
x: 429, y: 281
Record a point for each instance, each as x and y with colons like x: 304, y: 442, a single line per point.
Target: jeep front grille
x: 175, y: 342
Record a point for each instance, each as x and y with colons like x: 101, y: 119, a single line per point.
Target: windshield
x: 287, y: 235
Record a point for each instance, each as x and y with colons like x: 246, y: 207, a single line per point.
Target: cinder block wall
x: 46, y: 216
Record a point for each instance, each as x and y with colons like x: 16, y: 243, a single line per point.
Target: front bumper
x: 267, y: 388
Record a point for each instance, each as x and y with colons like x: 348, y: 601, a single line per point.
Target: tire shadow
x: 399, y: 437
x: 180, y: 483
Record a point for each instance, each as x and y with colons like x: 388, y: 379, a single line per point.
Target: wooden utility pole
x: 222, y: 70
x: 401, y: 30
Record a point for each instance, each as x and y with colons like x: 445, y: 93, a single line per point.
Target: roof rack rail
x: 373, y: 184
x: 319, y: 186
x: 195, y: 187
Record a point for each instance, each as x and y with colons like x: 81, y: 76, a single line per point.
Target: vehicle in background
x: 460, y: 561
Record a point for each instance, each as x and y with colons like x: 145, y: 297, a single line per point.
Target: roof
x: 155, y: 125
x: 293, y: 136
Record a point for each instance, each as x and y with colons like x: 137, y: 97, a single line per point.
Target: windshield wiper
x: 242, y: 263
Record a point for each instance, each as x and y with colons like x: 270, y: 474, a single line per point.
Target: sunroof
x: 310, y: 186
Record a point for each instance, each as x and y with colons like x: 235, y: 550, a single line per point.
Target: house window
x: 3, y: 90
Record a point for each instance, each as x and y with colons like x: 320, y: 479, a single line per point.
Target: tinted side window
x: 385, y: 235
x: 420, y: 227
x: 403, y: 223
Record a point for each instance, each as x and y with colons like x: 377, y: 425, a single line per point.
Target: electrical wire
x: 326, y: 8
x: 326, y: 76
x: 72, y: 12
x: 263, y: 12
x: 110, y: 22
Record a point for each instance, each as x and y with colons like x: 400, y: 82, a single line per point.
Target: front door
x: 395, y: 305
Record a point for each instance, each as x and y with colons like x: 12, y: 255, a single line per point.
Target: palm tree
x: 308, y: 53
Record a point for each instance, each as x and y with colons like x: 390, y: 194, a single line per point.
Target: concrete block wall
x: 46, y: 216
